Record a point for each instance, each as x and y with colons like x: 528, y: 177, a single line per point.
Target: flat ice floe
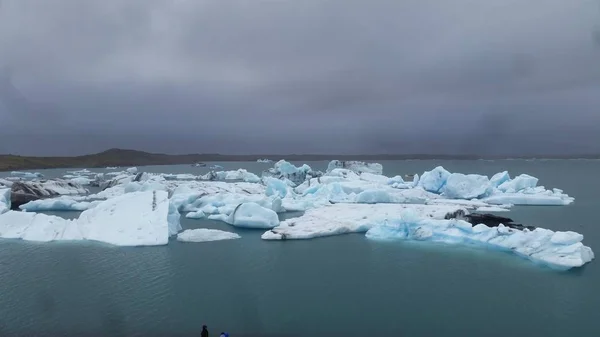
x: 134, y: 219
x: 349, y: 218
x: 560, y: 250
x: 205, y: 235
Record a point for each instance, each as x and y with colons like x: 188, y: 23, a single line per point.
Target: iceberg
x: 470, y: 186
x: 81, y: 172
x: 134, y: 219
x: 434, y: 180
x: 83, y: 181
x: 205, y: 235
x: 23, y: 192
x: 349, y: 218
x: 132, y: 170
x: 240, y: 174
x: 58, y: 204
x: 356, y: 166
x: 560, y: 250
x: 26, y: 175
x: 250, y: 215
x: 36, y: 227
x: 285, y: 170
x: 542, y: 199
x: 173, y: 218
x: 264, y: 161
x: 4, y: 200
x: 499, y: 178
x: 519, y: 183
x: 275, y: 187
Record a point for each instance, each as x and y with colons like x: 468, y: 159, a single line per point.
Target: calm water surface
x: 336, y: 286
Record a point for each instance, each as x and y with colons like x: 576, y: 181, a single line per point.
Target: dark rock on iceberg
x: 489, y: 220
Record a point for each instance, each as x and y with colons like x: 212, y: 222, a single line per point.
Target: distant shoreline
x: 121, y: 157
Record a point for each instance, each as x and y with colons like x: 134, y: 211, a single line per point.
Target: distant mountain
x: 121, y: 157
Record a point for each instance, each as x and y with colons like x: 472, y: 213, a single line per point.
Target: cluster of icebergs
x: 140, y: 209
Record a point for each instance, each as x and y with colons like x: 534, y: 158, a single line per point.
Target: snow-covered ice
x: 132, y: 170
x: 348, y: 218
x: 4, y: 200
x: 561, y: 250
x: 205, y: 235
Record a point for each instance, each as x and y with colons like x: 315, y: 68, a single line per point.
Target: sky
x: 313, y: 76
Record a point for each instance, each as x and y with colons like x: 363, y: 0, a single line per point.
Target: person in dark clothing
x: 204, y: 331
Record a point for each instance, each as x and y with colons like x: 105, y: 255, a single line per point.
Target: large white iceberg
x: 349, y: 218
x: 205, y: 235
x: 134, y: 219
x: 561, y: 250
x: 4, y: 200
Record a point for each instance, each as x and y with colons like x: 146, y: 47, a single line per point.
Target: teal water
x: 336, y: 286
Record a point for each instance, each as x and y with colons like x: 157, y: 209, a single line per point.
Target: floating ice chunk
x: 34, y: 227
x: 252, y: 215
x: 264, y: 161
x: 81, y: 172
x: 519, y: 183
x: 356, y: 166
x: 27, y: 175
x: 4, y: 200
x: 461, y: 186
x: 58, y: 204
x: 173, y: 220
x: 348, y: 218
x: 182, y: 176
x: 133, y: 219
x: 132, y: 170
x: 529, y: 199
x: 285, y: 170
x: 499, y: 178
x: 564, y: 252
x: 81, y: 181
x: 240, y: 174
x: 434, y: 180
x: 205, y: 235
x: 111, y: 167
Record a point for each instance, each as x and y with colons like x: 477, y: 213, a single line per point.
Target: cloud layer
x: 311, y: 76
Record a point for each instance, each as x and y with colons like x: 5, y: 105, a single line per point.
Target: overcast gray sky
x: 300, y: 76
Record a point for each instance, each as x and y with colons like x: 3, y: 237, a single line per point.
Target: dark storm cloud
x: 318, y: 76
